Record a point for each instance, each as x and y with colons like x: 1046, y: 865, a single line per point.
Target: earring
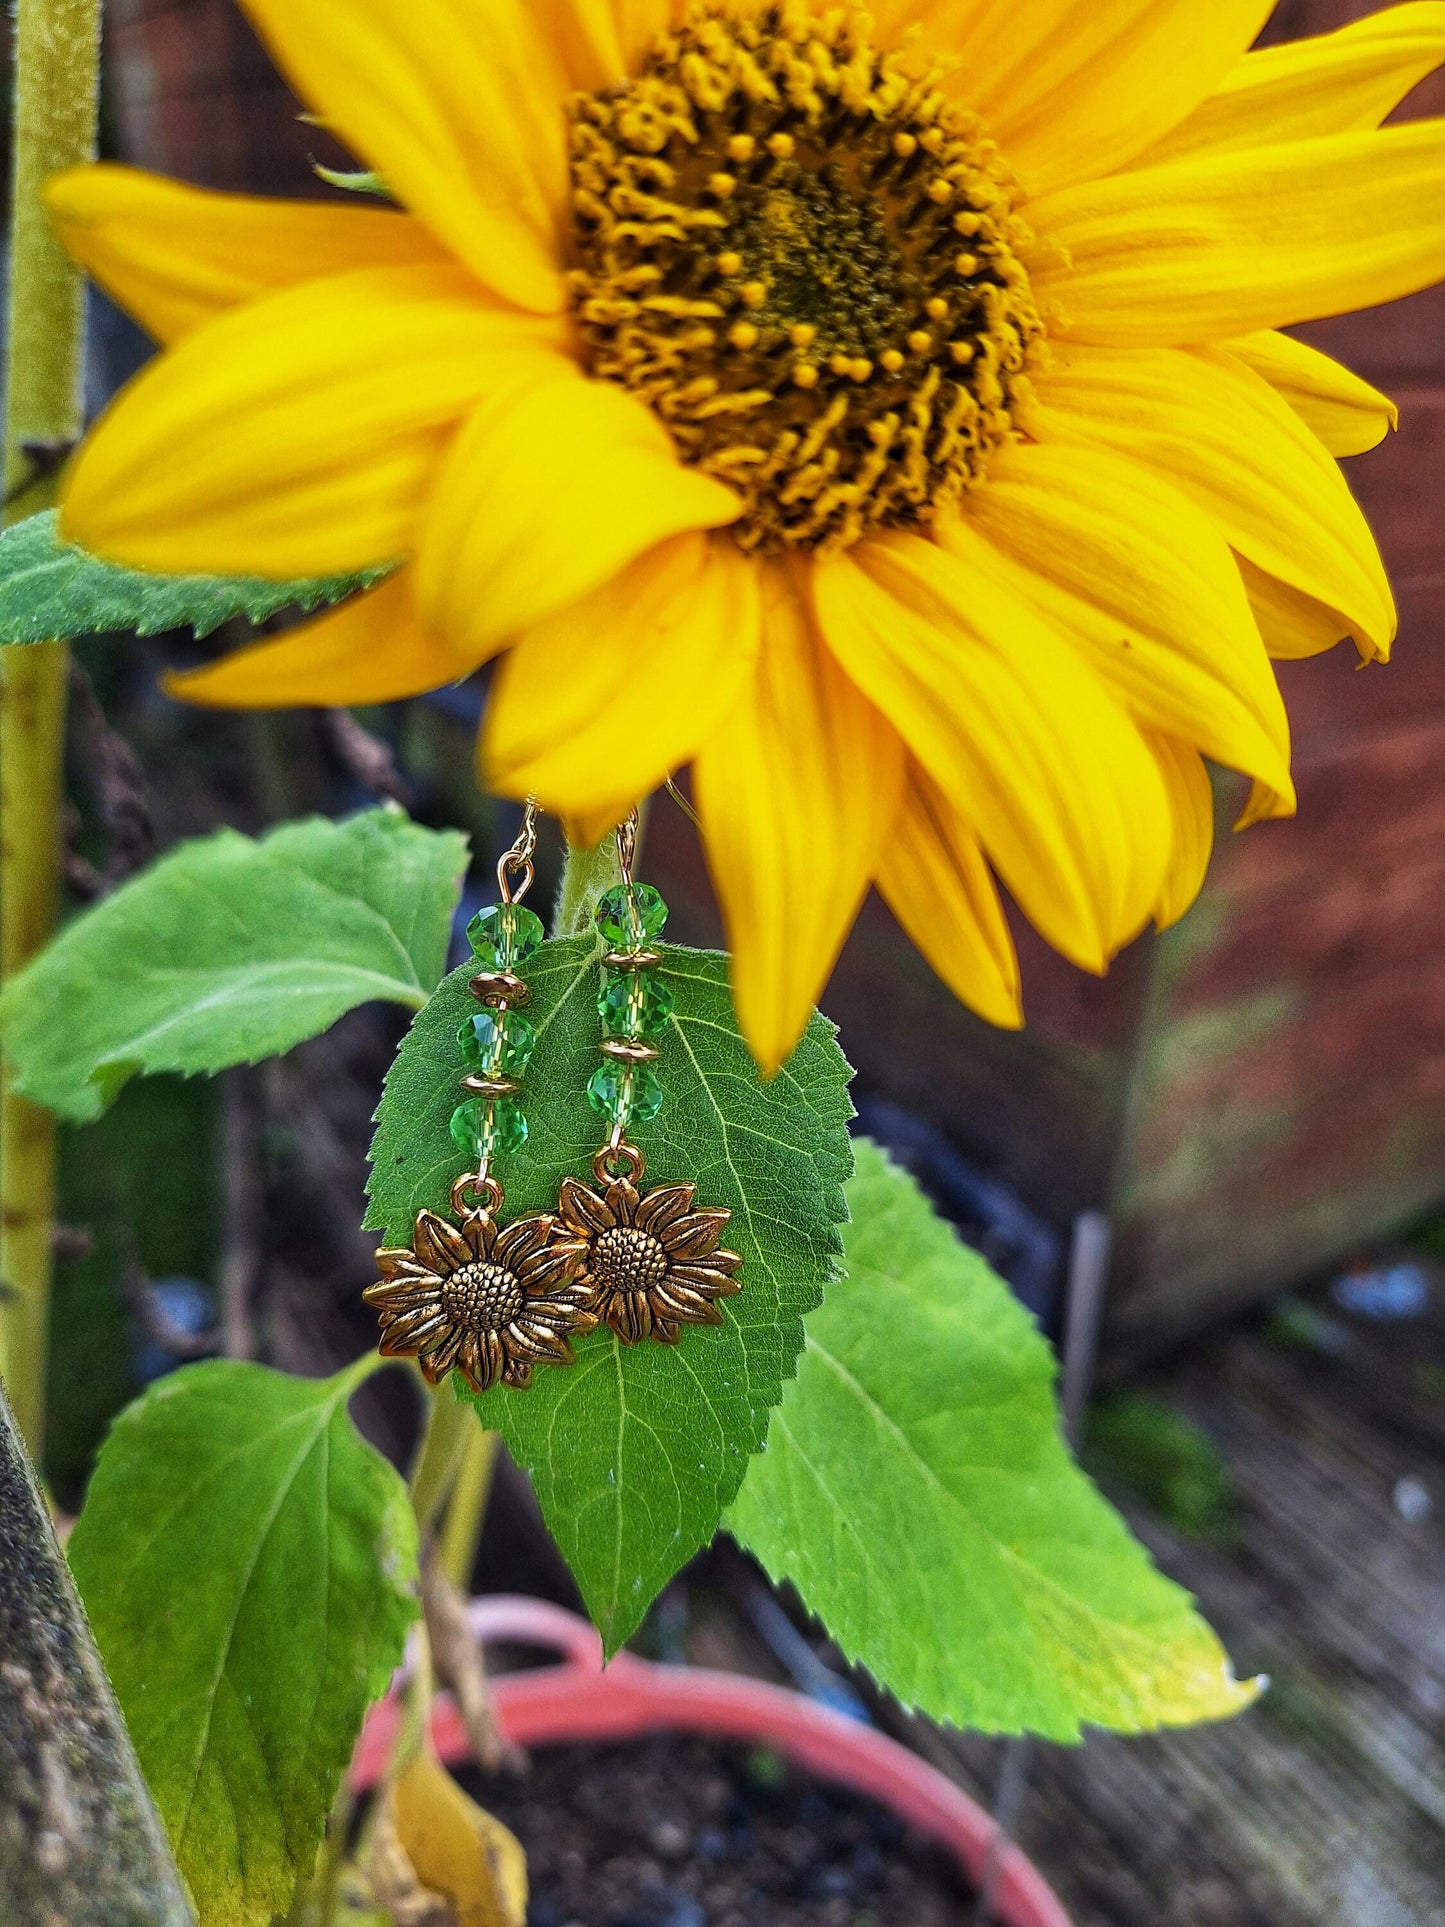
x: 490, y: 1300
x: 652, y: 1261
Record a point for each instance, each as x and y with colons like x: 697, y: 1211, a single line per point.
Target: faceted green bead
x: 497, y: 1042
x: 486, y: 1127
x: 508, y: 1128
x: 466, y: 1120
x: 607, y: 1092
x: 625, y: 1093
x: 646, y: 1095
x: 632, y: 1003
x: 504, y: 935
x: 629, y: 915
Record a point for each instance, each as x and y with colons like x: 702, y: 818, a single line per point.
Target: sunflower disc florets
x: 809, y: 263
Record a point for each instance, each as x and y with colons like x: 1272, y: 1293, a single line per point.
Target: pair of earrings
x: 494, y: 1300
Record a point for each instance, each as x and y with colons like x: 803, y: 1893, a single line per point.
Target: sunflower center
x: 482, y: 1297
x: 625, y: 1259
x: 809, y: 264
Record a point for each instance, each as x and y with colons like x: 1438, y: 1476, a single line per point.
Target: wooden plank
x: 1325, y: 1805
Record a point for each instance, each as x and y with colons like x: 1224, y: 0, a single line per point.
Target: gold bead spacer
x: 632, y: 959
x: 498, y: 987
x: 629, y: 1050
x: 490, y: 1086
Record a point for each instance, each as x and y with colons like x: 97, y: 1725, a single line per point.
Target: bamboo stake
x: 57, y: 61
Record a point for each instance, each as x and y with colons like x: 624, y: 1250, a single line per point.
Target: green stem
x: 439, y: 1456
x: 586, y: 875
x: 467, y: 1507
x: 57, y: 68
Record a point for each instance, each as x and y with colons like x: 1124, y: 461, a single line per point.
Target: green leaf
x: 916, y: 1491
x: 50, y: 590
x: 248, y: 1563
x: 635, y: 1449
x: 228, y: 950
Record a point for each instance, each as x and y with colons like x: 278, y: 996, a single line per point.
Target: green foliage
x: 916, y: 1491
x: 635, y: 1450
x: 229, y: 950
x: 138, y: 1184
x: 248, y: 1563
x: 50, y: 591
x: 1143, y: 1444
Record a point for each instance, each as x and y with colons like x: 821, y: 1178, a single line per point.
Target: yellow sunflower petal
x: 1018, y: 732
x: 1143, y: 581
x: 372, y: 649
x: 176, y: 256
x: 1293, y: 624
x: 1263, y: 807
x: 585, y: 830
x: 1331, y: 83
x: 585, y: 36
x: 638, y: 23
x: 935, y: 881
x: 459, y: 106
x: 548, y: 491
x: 1191, y: 811
x: 1224, y: 244
x: 299, y: 434
x: 610, y: 695
x: 797, y: 791
x: 1347, y: 414
x: 1072, y: 89
x: 1222, y: 435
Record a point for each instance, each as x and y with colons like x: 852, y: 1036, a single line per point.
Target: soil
x: 681, y: 1831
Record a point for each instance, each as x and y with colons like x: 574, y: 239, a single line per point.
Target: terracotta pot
x: 579, y: 1700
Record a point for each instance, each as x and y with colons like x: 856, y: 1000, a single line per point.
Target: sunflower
x: 653, y: 1263
x: 491, y: 1301
x: 883, y: 415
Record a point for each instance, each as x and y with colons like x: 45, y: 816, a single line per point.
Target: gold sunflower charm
x: 490, y: 1301
x: 653, y: 1263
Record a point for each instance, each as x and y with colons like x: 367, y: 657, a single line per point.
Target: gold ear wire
x: 518, y: 860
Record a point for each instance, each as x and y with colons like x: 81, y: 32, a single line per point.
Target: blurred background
x: 1236, y: 1141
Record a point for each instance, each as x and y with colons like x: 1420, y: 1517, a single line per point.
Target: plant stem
x: 79, y: 1838
x: 586, y: 874
x: 467, y: 1507
x: 57, y: 66
x: 439, y: 1456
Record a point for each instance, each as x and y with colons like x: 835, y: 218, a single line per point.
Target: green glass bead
x: 632, y: 1003
x: 497, y: 1042
x: 504, y: 935
x: 625, y: 1093
x: 486, y: 1127
x: 629, y: 915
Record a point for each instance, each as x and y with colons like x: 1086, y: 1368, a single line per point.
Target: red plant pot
x: 579, y: 1700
